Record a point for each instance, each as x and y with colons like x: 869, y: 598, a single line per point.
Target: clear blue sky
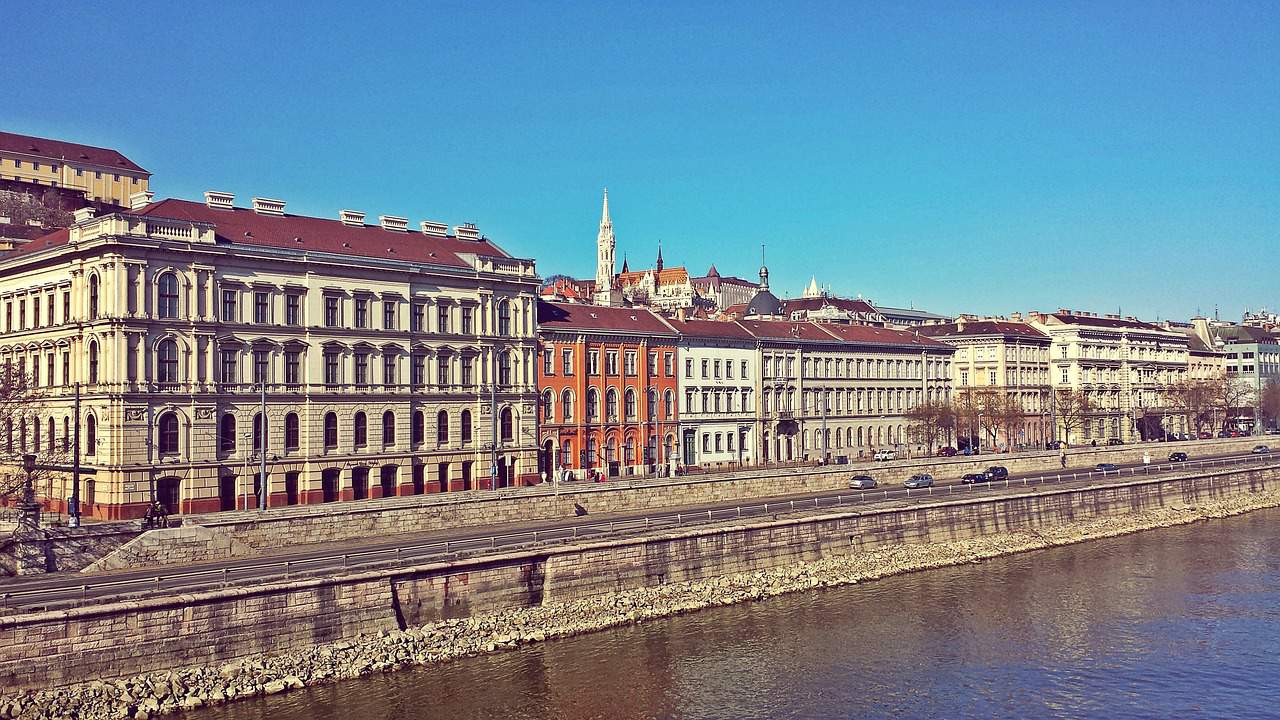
x: 964, y: 156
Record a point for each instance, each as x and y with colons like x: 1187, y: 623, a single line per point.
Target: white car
x: 885, y: 455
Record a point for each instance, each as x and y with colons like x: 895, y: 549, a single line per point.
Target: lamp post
x: 28, y: 508
x: 979, y: 450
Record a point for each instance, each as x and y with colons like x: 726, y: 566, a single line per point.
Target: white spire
x: 604, y: 214
x: 812, y: 291
x: 606, y: 293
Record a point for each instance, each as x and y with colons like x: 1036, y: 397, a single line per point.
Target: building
x: 1125, y: 368
x: 818, y: 305
x: 102, y: 174
x: 1205, y: 361
x: 719, y: 368
x: 608, y: 381
x: 719, y: 292
x: 1010, y: 358
x: 1251, y: 361
x: 388, y: 361
x: 910, y: 317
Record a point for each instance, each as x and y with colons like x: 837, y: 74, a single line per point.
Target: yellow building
x: 102, y: 174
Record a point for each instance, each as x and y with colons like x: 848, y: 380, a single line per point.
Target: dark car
x: 1106, y: 467
x: 1115, y: 441
x: 997, y: 472
x: 1206, y: 435
x: 1053, y: 445
x: 946, y: 452
x: 1260, y: 450
x: 923, y: 480
x: 972, y: 478
x: 1177, y: 457
x: 862, y: 482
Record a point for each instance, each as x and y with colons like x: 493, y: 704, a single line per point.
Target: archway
x: 168, y: 494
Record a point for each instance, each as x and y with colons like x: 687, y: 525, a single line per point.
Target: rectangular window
x: 630, y: 359
x: 593, y: 362
x: 715, y: 369
x: 362, y: 368
x: 260, y: 359
x: 261, y: 307
x: 389, y: 370
x: 35, y: 312
x: 419, y: 370
x: 466, y: 370
x: 653, y: 364
x: 566, y: 362
x: 442, y: 319
x: 1064, y: 375
x: 49, y: 308
x: 362, y: 312
x: 468, y: 321
x: 332, y: 311
x: 688, y: 367
x: 728, y: 369
x: 8, y: 317
x: 417, y: 316
x: 389, y: 315
x: 292, y: 367
x: 293, y: 309
x: 66, y: 368
x: 331, y: 371
x: 229, y: 374
x: 611, y: 362
x: 442, y: 371
x: 549, y: 361
x: 229, y: 306
x: 706, y: 364
x: 669, y: 364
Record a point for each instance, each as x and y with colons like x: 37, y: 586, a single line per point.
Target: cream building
x: 392, y: 360
x: 1125, y: 367
x: 103, y: 174
x: 719, y: 370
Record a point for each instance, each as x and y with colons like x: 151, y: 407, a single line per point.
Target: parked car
x: 976, y: 477
x: 1106, y: 467
x: 946, y: 452
x: 1053, y: 445
x: 1260, y: 450
x: 923, y: 480
x: 1177, y: 457
x: 997, y: 472
x: 862, y: 482
x: 884, y: 455
x: 1206, y: 435
x: 1114, y: 441
x: 1274, y: 431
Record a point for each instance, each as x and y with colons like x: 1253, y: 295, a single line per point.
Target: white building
x: 719, y: 369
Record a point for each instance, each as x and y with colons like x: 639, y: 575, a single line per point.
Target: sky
x: 955, y: 157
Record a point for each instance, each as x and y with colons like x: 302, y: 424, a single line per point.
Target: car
x: 1260, y: 450
x: 884, y: 455
x: 1106, y: 467
x: 1206, y: 435
x: 997, y: 472
x: 862, y: 482
x: 946, y: 452
x: 1177, y: 457
x: 1053, y: 445
x: 1274, y: 431
x: 974, y: 477
x: 1114, y: 441
x: 922, y: 480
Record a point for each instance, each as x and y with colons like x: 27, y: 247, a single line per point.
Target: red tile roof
x: 984, y: 327
x: 868, y: 335
x: 711, y: 329
x: 571, y: 316
x: 817, y: 303
x: 785, y: 330
x: 62, y: 150
x: 1097, y: 321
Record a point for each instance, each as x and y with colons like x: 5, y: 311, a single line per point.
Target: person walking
x: 1062, y: 458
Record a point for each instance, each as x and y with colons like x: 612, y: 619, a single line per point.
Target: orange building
x: 607, y: 378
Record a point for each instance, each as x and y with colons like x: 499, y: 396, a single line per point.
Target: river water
x: 1172, y: 623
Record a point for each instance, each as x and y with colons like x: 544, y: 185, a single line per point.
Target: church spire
x: 604, y: 214
x: 606, y: 286
x: 764, y: 270
x: 658, y: 265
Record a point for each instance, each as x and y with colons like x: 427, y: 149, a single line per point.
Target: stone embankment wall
x: 56, y: 648
x: 423, y: 513
x: 63, y: 549
x: 180, y: 545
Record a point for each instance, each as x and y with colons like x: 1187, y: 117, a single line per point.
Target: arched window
x: 504, y: 368
x: 652, y: 404
x: 168, y: 434
x: 66, y: 434
x: 330, y: 431
x: 668, y: 405
x: 93, y: 361
x: 168, y: 296
x: 566, y: 406
x: 51, y: 441
x: 259, y: 431
x: 611, y: 404
x: 93, y: 297
x: 388, y: 428
x: 504, y: 318
x: 360, y: 430
x: 90, y: 435
x: 506, y: 425
x: 167, y: 361
x: 629, y: 403
x: 419, y: 429
x: 291, y: 431
x: 227, y: 433
x: 466, y: 426
x: 442, y: 427
x: 593, y: 404
x: 548, y: 406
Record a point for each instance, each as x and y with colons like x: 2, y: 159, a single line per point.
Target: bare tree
x: 928, y: 423
x: 1232, y: 397
x: 1271, y: 402
x: 23, y: 425
x: 1195, y: 399
x: 1072, y: 410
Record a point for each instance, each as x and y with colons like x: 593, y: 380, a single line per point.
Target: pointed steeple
x: 658, y: 265
x: 625, y: 269
x: 764, y: 271
x: 606, y: 283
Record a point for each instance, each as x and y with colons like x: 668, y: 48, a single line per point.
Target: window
x: 442, y: 370
x: 227, y: 433
x: 466, y: 426
x: 728, y: 369
x: 293, y: 309
x: 229, y: 373
x: 362, y: 312
x: 389, y: 370
x: 668, y: 405
x: 332, y: 311
x: 466, y: 363
x: 442, y: 318
x: 593, y: 404
x: 651, y: 406
x: 66, y: 367
x: 228, y: 306
x: 362, y: 368
x: 629, y: 403
x: 964, y: 377
x: 1064, y: 375
x: 168, y: 297
x: 593, y: 362
x: 168, y: 434
x: 332, y: 375
x: 419, y: 428
x: 90, y: 435
x: 505, y: 425
x: 291, y: 431
x: 715, y: 369
x: 611, y: 362
x: 566, y: 406
x: 292, y: 367
x: 504, y: 318
x: 93, y: 297
x: 261, y: 360
x: 389, y: 315
x: 468, y: 321
x: 629, y: 361
x: 419, y: 370
x: 360, y: 430
x: 566, y: 362
x: 93, y: 362
x: 442, y: 427
x: 504, y: 368
x: 330, y: 431
x: 706, y: 364
x: 668, y: 364
x: 653, y: 364
x: 548, y: 361
x: 547, y: 404
x: 388, y: 428
x: 261, y: 307
x: 166, y: 362
x: 259, y: 431
x: 611, y: 404
x: 417, y: 315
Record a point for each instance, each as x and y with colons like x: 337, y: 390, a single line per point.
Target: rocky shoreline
x: 154, y: 694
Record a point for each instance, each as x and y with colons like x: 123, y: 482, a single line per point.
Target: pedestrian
x: 1062, y: 458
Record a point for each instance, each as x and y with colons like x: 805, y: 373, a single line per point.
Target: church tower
x: 607, y: 293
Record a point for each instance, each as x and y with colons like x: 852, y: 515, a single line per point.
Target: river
x: 1171, y: 623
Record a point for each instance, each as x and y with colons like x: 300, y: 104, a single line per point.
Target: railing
x: 401, y: 555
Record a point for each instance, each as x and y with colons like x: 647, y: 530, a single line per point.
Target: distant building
x: 1252, y: 358
x: 102, y: 174
x: 910, y: 317
x: 719, y: 368
x: 720, y: 292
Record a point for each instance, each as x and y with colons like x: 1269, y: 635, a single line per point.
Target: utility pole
x: 262, y: 448
x: 493, y: 417
x: 75, y: 465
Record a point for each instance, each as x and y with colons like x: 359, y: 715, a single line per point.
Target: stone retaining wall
x: 127, y: 638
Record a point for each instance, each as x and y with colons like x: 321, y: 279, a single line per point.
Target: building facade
x: 388, y: 361
x: 719, y: 368
x: 102, y: 174
x: 608, y: 381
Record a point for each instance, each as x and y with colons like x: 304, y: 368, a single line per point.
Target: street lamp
x: 979, y: 450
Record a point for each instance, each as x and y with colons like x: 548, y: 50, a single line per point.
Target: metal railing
x: 402, y: 555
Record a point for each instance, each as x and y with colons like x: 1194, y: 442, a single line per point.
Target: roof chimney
x: 83, y: 214
x: 434, y: 229
x: 219, y: 200
x: 351, y: 217
x: 267, y: 206
x: 139, y: 200
x: 392, y: 222
x: 466, y: 231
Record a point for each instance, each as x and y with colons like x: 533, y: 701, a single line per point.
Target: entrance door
x: 167, y: 492
x: 688, y: 448
x: 388, y: 480
x: 329, y: 485
x: 227, y: 492
x: 360, y: 483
